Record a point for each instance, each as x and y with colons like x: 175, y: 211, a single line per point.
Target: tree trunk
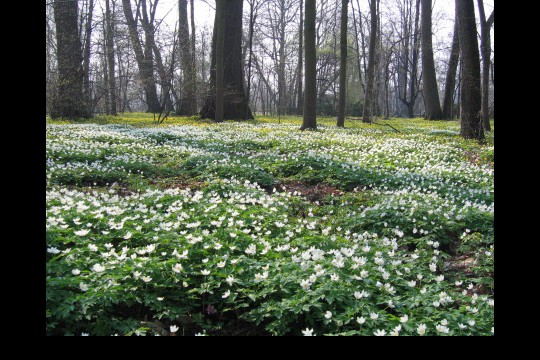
x: 343, y: 65
x: 220, y: 57
x: 86, y: 55
x: 109, y: 45
x: 144, y: 59
x: 187, y: 104
x: 252, y: 18
x: 450, y: 83
x: 368, y: 100
x: 485, y: 45
x: 300, y: 96
x: 431, y: 91
x: 235, y: 101
x: 310, y: 71
x: 69, y: 101
x: 471, y: 127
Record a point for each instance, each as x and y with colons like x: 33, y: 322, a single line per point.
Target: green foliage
x: 190, y: 226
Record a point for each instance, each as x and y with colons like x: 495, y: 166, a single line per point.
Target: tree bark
x: 220, y: 57
x: 187, y: 104
x: 69, y: 101
x: 310, y: 71
x: 485, y: 46
x: 144, y: 59
x: 471, y: 127
x: 109, y: 45
x: 431, y: 91
x: 300, y: 96
x: 450, y: 83
x: 343, y: 65
x: 86, y: 55
x: 252, y: 18
x: 235, y: 101
x: 368, y: 100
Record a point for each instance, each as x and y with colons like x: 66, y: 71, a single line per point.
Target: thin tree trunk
x: 343, y: 65
x: 300, y: 96
x: 368, y: 100
x: 471, y: 127
x: 187, y: 105
x: 220, y: 57
x: 86, y: 55
x: 450, y: 83
x: 252, y: 18
x: 485, y: 45
x: 432, y: 105
x: 109, y: 41
x: 310, y: 72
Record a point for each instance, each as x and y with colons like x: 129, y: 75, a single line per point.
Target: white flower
x: 442, y: 329
x: 305, y: 284
x: 81, y: 232
x: 334, y: 277
x: 83, y: 287
x: 261, y: 277
x: 491, y: 302
x: 98, y: 268
x: 444, y: 322
x: 358, y: 294
x: 230, y: 280
x: 328, y: 315
x: 458, y: 283
x: 160, y: 298
x: 75, y: 271
x: 108, y: 245
x: 360, y: 320
x: 411, y: 283
x: 92, y: 247
x: 439, y: 278
x: 251, y: 249
x: 205, y: 272
x: 373, y: 316
x: 85, y: 334
x: 177, y: 268
x: 233, y: 235
x: 379, y: 333
x: 221, y: 264
x: 308, y: 332
x: 201, y: 334
x: 421, y: 329
x: 461, y: 326
x: 146, y: 278
x: 436, y: 303
x: 423, y: 290
x: 226, y: 294
x: 471, y: 322
x: 173, y: 328
x: 53, y: 250
x: 364, y: 273
x: 433, y: 267
x: 404, y: 318
x: 136, y: 274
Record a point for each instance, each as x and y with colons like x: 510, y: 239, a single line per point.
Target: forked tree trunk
x: 450, y: 83
x: 429, y: 78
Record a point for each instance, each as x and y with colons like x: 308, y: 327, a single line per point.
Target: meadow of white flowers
x: 186, y: 230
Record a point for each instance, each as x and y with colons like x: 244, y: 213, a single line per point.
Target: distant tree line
x: 357, y: 58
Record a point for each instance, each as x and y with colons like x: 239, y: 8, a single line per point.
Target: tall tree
x: 431, y: 91
x: 369, y: 96
x: 187, y: 104
x: 310, y: 71
x: 145, y: 59
x: 485, y: 46
x: 220, y: 58
x: 343, y: 65
x: 86, y: 53
x: 471, y: 127
x: 235, y: 101
x: 109, y: 47
x: 69, y: 101
x: 450, y: 82
x: 300, y: 92
x: 253, y: 10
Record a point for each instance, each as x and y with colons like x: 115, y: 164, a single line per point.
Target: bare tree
x: 485, y: 45
x: 187, y: 103
x: 430, y: 90
x: 369, y: 96
x: 109, y: 47
x: 343, y: 65
x: 471, y: 127
x: 450, y: 83
x: 220, y: 59
x: 310, y: 71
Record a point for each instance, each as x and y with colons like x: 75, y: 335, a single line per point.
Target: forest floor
x: 257, y: 228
